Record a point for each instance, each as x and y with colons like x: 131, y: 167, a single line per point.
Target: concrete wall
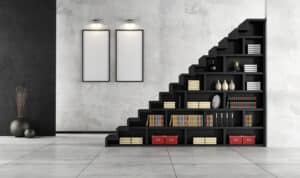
x: 283, y: 49
x: 177, y: 33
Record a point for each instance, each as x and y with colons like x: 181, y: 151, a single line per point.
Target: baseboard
x: 84, y: 132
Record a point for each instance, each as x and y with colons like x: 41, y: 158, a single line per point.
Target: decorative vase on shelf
x: 212, y: 66
x: 218, y: 85
x: 19, y: 125
x: 231, y: 85
x: 236, y: 66
x: 225, y: 85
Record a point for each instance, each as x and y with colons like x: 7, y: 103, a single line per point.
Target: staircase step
x: 193, y: 69
x: 111, y: 139
x: 155, y: 104
x: 134, y: 122
x: 173, y: 87
x: 202, y: 60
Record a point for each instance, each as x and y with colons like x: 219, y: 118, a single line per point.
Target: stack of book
x: 131, y: 140
x: 209, y: 120
x: 254, y: 48
x: 169, y: 105
x: 204, y: 140
x: 250, y: 67
x: 193, y: 85
x: 253, y: 86
x: 198, y: 104
x: 155, y: 120
x: 186, y: 121
x: 241, y: 102
x: 248, y: 120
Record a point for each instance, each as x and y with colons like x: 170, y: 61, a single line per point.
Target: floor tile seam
x: 90, y: 163
x: 254, y: 163
x: 26, y: 154
x: 171, y: 161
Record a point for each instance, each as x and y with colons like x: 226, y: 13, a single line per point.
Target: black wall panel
x: 27, y: 56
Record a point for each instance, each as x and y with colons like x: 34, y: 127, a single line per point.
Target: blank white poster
x: 95, y: 55
x: 129, y: 48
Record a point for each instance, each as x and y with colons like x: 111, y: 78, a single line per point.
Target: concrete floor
x: 85, y: 156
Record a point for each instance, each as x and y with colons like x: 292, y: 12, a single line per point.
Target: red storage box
x: 171, y: 139
x: 250, y: 140
x: 234, y: 139
x: 158, y: 139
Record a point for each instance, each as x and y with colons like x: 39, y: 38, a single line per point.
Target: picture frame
x: 95, y: 55
x: 129, y: 55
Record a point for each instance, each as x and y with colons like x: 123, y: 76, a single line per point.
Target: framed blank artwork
x: 95, y: 55
x: 130, y: 55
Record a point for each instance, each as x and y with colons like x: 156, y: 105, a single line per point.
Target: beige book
x: 204, y: 105
x: 125, y: 140
x: 210, y: 140
x: 199, y: 140
x: 193, y: 85
x: 192, y: 105
x: 169, y: 104
x: 137, y: 140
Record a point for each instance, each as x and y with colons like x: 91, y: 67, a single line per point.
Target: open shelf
x: 241, y: 111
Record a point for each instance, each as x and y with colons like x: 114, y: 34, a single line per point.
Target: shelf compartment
x: 184, y: 80
x: 133, y: 132
x: 218, y: 61
x: 180, y: 132
x: 211, y: 81
x: 257, y: 119
x: 204, y: 132
x: 258, y: 133
x: 259, y: 100
x: 229, y: 63
x: 223, y: 122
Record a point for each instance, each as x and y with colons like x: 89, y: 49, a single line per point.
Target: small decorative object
x: 218, y: 85
x: 231, y: 85
x: 216, y: 102
x: 236, y: 66
x: 225, y: 85
x: 232, y: 120
x: 212, y: 66
x: 29, y: 133
x: 18, y: 126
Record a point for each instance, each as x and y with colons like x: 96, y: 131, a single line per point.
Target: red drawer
x: 158, y: 139
x: 250, y: 140
x: 234, y: 139
x: 171, y: 139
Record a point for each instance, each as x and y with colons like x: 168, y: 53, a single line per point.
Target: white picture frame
x: 129, y: 55
x: 95, y: 55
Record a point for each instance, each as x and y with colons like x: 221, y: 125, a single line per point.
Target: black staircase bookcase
x: 229, y: 49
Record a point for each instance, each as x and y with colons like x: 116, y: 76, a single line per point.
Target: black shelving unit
x: 229, y: 49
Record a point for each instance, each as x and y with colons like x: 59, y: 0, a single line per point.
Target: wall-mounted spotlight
x: 96, y: 23
x: 130, y: 24
x: 130, y: 20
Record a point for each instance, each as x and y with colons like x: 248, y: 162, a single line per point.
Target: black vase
x: 18, y: 126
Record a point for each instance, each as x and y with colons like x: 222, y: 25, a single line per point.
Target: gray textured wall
x: 283, y: 50
x: 177, y: 33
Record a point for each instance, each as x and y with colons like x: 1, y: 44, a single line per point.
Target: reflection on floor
x: 85, y: 156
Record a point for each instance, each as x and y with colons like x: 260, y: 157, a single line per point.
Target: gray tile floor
x: 85, y: 156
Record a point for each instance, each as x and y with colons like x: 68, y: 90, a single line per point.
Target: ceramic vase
x: 218, y: 85
x: 225, y: 85
x: 231, y: 85
x: 236, y: 66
